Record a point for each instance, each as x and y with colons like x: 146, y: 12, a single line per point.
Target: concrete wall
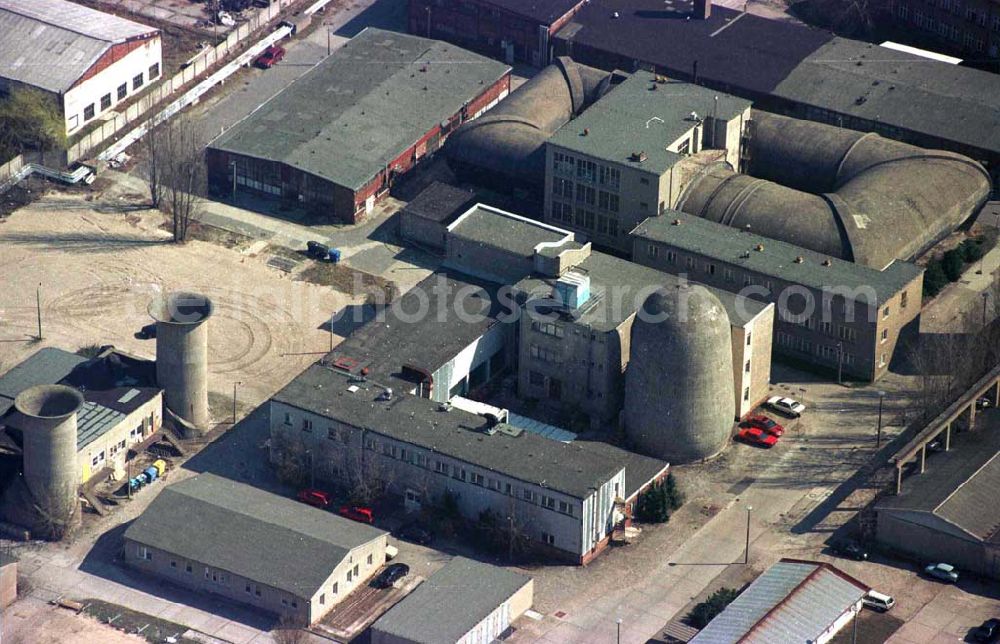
x: 899, y: 311
x: 487, y: 262
x: 424, y: 232
x: 122, y: 64
x: 204, y: 577
x: 111, y: 448
x: 752, y: 360
x: 343, y: 453
x: 455, y: 375
x: 928, y: 538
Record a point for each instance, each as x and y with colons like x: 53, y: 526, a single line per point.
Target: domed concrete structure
x: 182, y: 355
x: 679, y: 383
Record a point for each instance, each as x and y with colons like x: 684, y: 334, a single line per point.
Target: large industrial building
x: 88, y: 60
x: 948, y: 512
x: 970, y: 28
x: 615, y: 164
x: 792, y: 601
x: 337, y: 137
x: 830, y: 312
x: 464, y: 602
x: 505, y: 29
x: 800, y: 71
x: 254, y: 547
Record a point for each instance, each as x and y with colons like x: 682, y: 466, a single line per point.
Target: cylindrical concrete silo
x: 182, y: 355
x: 46, y: 416
x: 679, y: 396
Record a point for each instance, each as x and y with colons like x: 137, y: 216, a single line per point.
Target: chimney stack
x: 702, y: 9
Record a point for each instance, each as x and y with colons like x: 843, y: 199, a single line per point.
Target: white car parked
x: 878, y: 601
x: 786, y: 406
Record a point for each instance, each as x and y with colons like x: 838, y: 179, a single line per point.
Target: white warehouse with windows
x: 87, y: 59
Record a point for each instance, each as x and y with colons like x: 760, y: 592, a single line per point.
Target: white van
x: 877, y: 601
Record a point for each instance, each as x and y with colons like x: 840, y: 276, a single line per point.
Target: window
x: 881, y: 361
x: 746, y: 367
x: 188, y: 569
x: 508, y: 489
x: 562, y: 188
x: 137, y: 82
x: 548, y: 538
x: 440, y: 467
x: 105, y: 102
x: 689, y: 262
x: 902, y: 300
x: 586, y: 170
x: 122, y: 91
x: 586, y: 194
x: 370, y: 559
x: 356, y: 568
x: 331, y: 434
x: 885, y: 335
x: 548, y: 502
x: 847, y: 333
x: 173, y: 564
x: 307, y: 425
x: 644, y: 181
x: 288, y: 418
x: 528, y: 495
x: 322, y: 599
x: 562, y: 163
x: 643, y: 205
x: 458, y: 473
x: 671, y: 257
x: 610, y: 177
x: 548, y: 328
x: 746, y: 393
x: 608, y: 201
x: 684, y: 147
x: 562, y: 212
x: 612, y: 228
x: 565, y: 508
x: 478, y: 479
x: 154, y: 71
x: 88, y: 112
x: 652, y: 250
x: 248, y: 589
x: 710, y: 269
x: 728, y: 274
x: 885, y: 312
x: 748, y: 339
x: 350, y: 575
x: 543, y: 354
x: 333, y: 588
x: 826, y: 327
x: 145, y: 553
x: 536, y: 379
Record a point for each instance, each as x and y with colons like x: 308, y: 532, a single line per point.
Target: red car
x: 357, y: 512
x: 757, y: 436
x: 765, y: 423
x: 271, y: 57
x: 316, y: 498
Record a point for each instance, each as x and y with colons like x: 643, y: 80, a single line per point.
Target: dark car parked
x: 391, y: 574
x: 988, y: 631
x: 416, y: 533
x: 850, y: 549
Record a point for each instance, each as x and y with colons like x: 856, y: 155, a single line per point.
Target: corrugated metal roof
x: 792, y: 601
x: 970, y: 504
x: 51, y: 43
x: 93, y: 421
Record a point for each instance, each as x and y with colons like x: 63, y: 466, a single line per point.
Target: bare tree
x: 365, y: 475
x: 175, y: 173
x: 288, y: 632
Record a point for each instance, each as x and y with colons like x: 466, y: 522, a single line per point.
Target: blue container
x: 334, y: 255
x: 134, y: 483
x: 151, y: 473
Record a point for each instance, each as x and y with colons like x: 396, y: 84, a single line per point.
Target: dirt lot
x: 98, y: 264
x: 30, y: 621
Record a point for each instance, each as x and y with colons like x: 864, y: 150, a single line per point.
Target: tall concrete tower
x: 679, y: 381
x: 46, y: 417
x: 182, y: 355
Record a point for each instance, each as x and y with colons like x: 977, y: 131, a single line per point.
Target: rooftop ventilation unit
x: 572, y: 290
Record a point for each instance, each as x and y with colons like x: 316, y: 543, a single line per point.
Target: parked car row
x: 323, y: 500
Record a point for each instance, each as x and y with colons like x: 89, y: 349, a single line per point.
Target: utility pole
x: 38, y: 307
x: 233, y: 163
x: 746, y: 552
x: 331, y: 331
x: 985, y: 297
x: 234, y: 400
x: 840, y: 363
x: 878, y: 435
x: 510, y: 538
x: 854, y: 635
x: 618, y: 622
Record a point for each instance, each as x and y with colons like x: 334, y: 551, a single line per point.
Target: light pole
x: 985, y: 297
x: 312, y: 470
x: 38, y: 307
x: 746, y: 552
x: 233, y: 164
x: 428, y: 21
x: 234, y: 399
x: 878, y: 434
x: 618, y: 622
x: 854, y: 634
x: 840, y: 363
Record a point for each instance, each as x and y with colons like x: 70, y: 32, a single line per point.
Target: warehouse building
x: 615, y: 164
x: 336, y: 138
x: 948, y: 512
x: 423, y: 222
x: 792, y: 601
x: 122, y: 404
x: 464, y: 602
x: 831, y: 313
x: 796, y: 70
x: 566, y: 497
x: 254, y: 547
x: 504, y: 29
x: 88, y: 60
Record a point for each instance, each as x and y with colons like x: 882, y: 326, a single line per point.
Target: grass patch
x: 348, y: 280
x: 152, y: 629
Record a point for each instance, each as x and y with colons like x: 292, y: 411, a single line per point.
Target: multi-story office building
x: 617, y: 163
x: 830, y: 312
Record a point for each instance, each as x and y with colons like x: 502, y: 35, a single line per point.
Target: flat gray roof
x: 777, y: 259
x: 792, y: 601
x: 52, y: 43
x: 569, y: 468
x: 515, y: 234
x: 44, y: 367
x: 450, y: 604
x: 613, y: 279
x: 361, y: 107
x: 270, y: 539
x: 643, y: 115
x: 960, y: 485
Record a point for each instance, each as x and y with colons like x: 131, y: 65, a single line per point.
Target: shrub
x: 934, y: 278
x: 675, y: 498
x: 653, y: 505
x: 973, y: 249
x: 952, y: 264
x: 706, y: 611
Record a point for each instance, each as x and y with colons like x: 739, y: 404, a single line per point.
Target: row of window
x: 824, y: 351
x: 548, y: 328
x: 138, y: 81
x: 544, y: 354
x: 970, y: 40
x: 585, y: 194
x: 566, y: 165
x: 605, y: 225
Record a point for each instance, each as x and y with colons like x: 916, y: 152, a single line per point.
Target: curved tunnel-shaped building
x: 679, y: 381
x: 507, y: 143
x: 853, y: 195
